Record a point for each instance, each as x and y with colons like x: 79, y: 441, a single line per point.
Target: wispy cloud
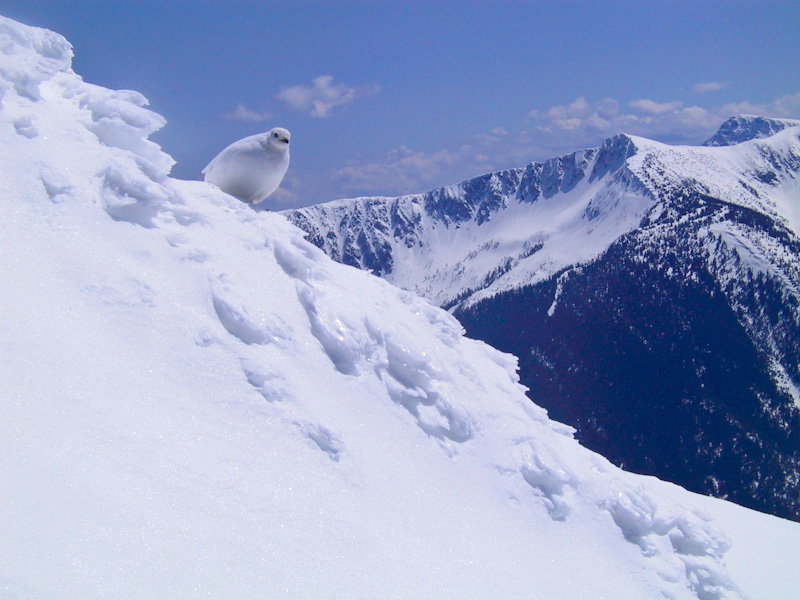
x: 242, y: 113
x: 567, y: 117
x: 711, y: 86
x: 785, y: 106
x: 404, y: 170
x: 323, y: 95
x: 651, y: 107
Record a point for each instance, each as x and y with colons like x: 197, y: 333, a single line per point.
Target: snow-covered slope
x: 466, y: 242
x: 196, y: 402
x: 631, y: 279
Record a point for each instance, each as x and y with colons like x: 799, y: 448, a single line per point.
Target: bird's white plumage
x: 252, y: 168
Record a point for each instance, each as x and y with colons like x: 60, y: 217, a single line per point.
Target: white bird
x: 252, y: 168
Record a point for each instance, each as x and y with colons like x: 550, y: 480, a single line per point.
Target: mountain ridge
x: 363, y: 231
x: 743, y: 128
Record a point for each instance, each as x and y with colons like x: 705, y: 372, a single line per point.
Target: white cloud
x: 567, y: 115
x: 655, y: 108
x: 579, y: 109
x: 403, y: 171
x: 711, y: 86
x: 785, y: 106
x: 242, y: 113
x: 319, y: 98
x: 608, y: 108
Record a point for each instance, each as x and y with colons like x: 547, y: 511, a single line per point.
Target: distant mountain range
x: 651, y: 293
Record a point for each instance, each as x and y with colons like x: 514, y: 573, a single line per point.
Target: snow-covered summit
x: 197, y: 402
x: 748, y: 127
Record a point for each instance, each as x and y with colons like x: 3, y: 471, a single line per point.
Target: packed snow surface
x: 198, y: 403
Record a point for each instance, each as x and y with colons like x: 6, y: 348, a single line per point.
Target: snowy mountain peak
x: 748, y: 127
x: 613, y: 154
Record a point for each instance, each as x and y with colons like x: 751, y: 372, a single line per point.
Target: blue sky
x: 388, y: 98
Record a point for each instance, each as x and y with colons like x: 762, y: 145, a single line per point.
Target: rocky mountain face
x: 651, y: 292
x: 748, y: 127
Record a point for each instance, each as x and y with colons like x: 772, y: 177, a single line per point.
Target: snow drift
x: 196, y: 402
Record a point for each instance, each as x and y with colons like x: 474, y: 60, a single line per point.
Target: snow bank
x: 199, y: 403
